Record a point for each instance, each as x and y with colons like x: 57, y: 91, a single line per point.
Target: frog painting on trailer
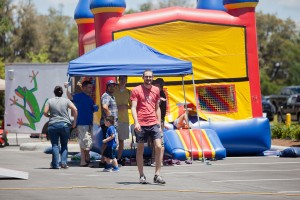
x: 30, y: 104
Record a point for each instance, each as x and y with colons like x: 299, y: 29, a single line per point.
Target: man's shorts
x: 146, y: 132
x: 110, y: 152
x: 123, y: 130
x: 85, y: 136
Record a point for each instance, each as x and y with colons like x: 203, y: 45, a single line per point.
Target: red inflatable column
x: 85, y: 22
x: 106, y: 12
x: 245, y: 10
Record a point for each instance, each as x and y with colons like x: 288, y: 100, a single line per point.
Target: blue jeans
x: 59, y: 131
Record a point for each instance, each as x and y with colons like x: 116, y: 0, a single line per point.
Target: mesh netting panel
x: 217, y: 98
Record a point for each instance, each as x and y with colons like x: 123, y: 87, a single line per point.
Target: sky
x: 282, y: 8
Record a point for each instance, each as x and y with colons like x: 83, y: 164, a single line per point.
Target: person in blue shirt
x: 111, y: 146
x: 86, y: 107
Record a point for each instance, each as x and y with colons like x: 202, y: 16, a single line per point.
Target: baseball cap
x: 110, y: 82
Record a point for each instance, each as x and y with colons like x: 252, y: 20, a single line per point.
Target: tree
x: 278, y: 45
x: 6, y: 27
x: 60, y: 36
x: 25, y: 36
x: 170, y: 3
x: 41, y: 57
x: 150, y: 5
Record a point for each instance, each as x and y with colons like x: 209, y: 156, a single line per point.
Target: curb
x: 41, y: 147
x: 277, y: 148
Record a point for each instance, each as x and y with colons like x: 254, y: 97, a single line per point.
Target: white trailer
x: 27, y: 88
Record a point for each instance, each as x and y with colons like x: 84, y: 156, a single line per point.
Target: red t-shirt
x: 146, y: 100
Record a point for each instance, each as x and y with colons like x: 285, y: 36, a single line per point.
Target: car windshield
x: 295, y: 90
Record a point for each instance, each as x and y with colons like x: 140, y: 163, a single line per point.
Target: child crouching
x: 111, y: 146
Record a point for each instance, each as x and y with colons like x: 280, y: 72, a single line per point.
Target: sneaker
x: 159, y: 179
x: 154, y: 164
x: 143, y: 180
x: 64, y: 166
x: 121, y: 162
x: 54, y: 167
x: 51, y: 167
x: 115, y: 170
x: 107, y: 170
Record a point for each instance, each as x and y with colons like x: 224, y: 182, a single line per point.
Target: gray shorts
x: 123, y: 130
x: 85, y: 136
x: 146, y: 132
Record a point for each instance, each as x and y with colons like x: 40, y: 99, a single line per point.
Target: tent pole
x: 199, y: 126
x: 186, y: 112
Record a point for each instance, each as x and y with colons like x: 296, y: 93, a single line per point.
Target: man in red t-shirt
x: 146, y: 114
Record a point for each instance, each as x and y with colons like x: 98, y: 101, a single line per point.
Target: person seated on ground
x: 182, y: 122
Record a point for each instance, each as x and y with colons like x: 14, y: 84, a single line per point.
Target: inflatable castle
x: 219, y: 38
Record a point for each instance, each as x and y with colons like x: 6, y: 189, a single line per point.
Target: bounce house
x: 219, y: 38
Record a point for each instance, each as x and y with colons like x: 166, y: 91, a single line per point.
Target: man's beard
x: 148, y: 82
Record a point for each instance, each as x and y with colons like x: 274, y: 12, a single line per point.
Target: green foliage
x: 281, y: 131
x: 266, y: 86
x: 149, y: 5
x: 170, y: 3
x: 276, y: 131
x: 2, y: 75
x: 294, y: 132
x: 278, y: 45
x: 6, y: 27
x: 41, y: 57
x: 25, y: 34
x: 2, y: 69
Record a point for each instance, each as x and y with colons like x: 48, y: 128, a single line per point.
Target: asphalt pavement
x: 264, y: 177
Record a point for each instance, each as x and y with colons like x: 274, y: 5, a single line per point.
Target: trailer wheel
x: 45, y: 130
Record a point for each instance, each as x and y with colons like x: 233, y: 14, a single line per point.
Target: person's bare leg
x: 186, y: 119
x: 162, y: 154
x: 182, y: 121
x: 115, y: 162
x: 87, y: 156
x: 158, y: 156
x: 153, y: 153
x: 139, y: 158
x: 102, y: 151
x: 82, y: 157
x: 181, y: 118
x: 108, y: 160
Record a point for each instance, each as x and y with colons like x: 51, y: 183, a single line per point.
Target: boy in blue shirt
x: 110, y: 151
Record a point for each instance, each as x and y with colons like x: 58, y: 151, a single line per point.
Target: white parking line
x: 257, y: 180
x: 242, y: 171
x: 269, y: 163
x: 288, y: 192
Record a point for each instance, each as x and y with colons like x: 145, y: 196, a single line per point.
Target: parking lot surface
x: 265, y: 177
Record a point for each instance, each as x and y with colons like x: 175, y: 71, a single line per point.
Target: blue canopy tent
x: 127, y: 56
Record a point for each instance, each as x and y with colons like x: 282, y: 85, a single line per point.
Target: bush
x: 276, y: 131
x: 295, y: 133
x: 281, y: 131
